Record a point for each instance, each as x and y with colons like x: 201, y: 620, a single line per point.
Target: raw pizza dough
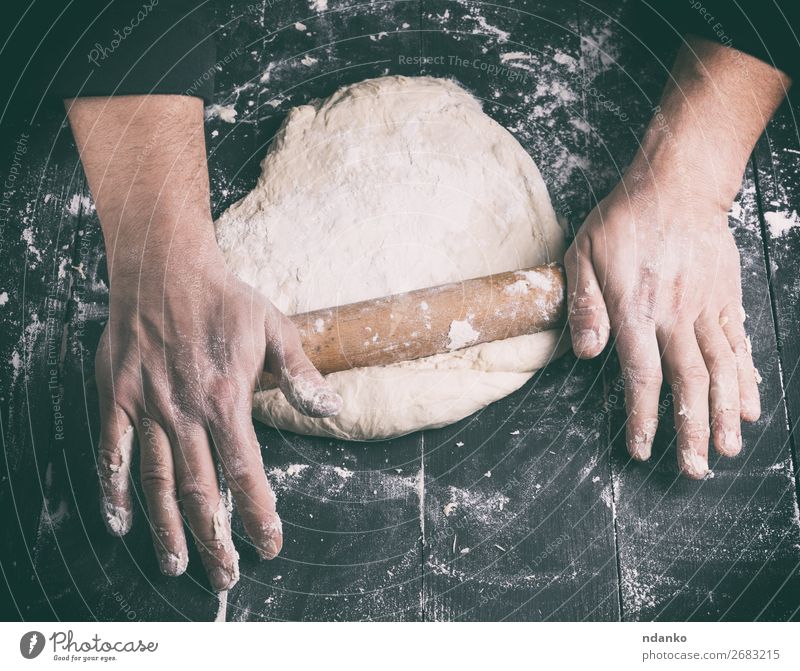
x: 390, y: 185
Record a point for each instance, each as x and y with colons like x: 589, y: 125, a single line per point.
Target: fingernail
x: 118, y: 519
x: 641, y: 442
x: 695, y: 465
x: 220, y: 579
x: 326, y: 403
x: 730, y: 442
x: 585, y: 342
x: 322, y: 402
x: 269, y: 550
x: 311, y: 395
x: 172, y: 564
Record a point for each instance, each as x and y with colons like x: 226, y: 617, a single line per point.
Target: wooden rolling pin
x: 432, y: 321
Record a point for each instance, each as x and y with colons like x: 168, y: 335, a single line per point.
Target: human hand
x: 176, y: 368
x: 662, y: 273
x: 185, y: 342
x: 655, y: 264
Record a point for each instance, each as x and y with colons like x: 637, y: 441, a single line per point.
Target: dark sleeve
x: 108, y: 47
x: 766, y: 29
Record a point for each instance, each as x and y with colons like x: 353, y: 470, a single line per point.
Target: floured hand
x: 176, y: 368
x: 666, y: 282
x: 185, y: 341
x: 656, y: 266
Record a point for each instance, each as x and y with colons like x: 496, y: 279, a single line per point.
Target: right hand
x: 176, y: 369
x: 656, y: 265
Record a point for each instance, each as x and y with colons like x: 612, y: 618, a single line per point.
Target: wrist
x: 712, y: 111
x: 143, y: 255
x: 697, y: 165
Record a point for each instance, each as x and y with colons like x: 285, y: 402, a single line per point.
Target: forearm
x: 144, y: 158
x: 714, y: 107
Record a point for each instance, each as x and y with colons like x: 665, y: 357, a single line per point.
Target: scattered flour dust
x: 481, y: 507
x: 222, y: 608
x: 226, y: 113
x: 515, y: 56
x: 461, y: 334
x: 518, y: 288
x: 780, y: 223
x: 78, y: 204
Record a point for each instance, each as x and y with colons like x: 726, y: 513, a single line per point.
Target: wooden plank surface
x: 725, y: 548
x: 529, y: 510
x: 516, y: 500
x: 38, y: 232
x: 350, y: 511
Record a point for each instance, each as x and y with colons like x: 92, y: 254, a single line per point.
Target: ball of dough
x: 390, y: 185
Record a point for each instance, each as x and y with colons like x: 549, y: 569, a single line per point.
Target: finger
x: 209, y: 518
x: 588, y: 317
x: 687, y: 374
x: 732, y: 323
x: 158, y: 482
x: 239, y: 455
x: 640, y: 360
x: 299, y: 381
x: 724, y: 387
x: 115, y: 453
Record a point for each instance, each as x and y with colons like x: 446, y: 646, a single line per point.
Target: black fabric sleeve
x: 107, y: 47
x: 766, y: 29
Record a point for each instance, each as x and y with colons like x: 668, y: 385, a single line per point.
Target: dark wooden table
x: 552, y: 520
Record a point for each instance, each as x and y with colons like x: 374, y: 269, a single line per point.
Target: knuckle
x: 695, y: 432
x: 723, y: 365
x: 243, y: 479
x: 583, y: 309
x: 196, y: 497
x: 157, y: 479
x: 225, y: 401
x: 218, y: 390
x: 108, y: 464
x: 692, y: 375
x: 643, y: 376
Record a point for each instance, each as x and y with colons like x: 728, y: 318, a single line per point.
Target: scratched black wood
x: 350, y: 511
x: 726, y: 548
x: 37, y: 237
x: 516, y: 524
x: 776, y: 158
x: 552, y: 522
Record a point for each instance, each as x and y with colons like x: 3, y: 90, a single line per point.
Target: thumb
x: 301, y: 383
x: 588, y: 317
